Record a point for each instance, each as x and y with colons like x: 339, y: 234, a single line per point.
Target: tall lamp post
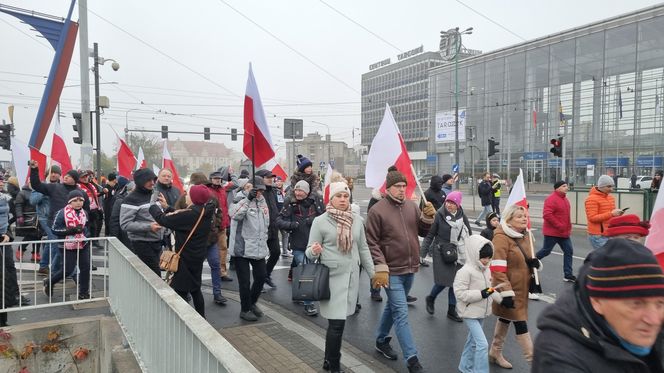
x: 116, y: 66
x: 127, y: 124
x: 451, y: 40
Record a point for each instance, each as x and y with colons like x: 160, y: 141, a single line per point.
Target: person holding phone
x: 600, y: 207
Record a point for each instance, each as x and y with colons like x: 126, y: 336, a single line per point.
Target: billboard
x: 445, y: 126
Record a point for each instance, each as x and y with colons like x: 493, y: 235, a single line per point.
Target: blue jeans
x: 48, y: 251
x: 565, y: 244
x: 437, y: 289
x: 485, y: 211
x: 300, y: 258
x: 475, y: 355
x: 215, y: 268
x: 597, y: 240
x: 396, y: 313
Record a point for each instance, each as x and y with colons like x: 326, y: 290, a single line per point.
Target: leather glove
x: 428, y: 210
x: 507, y: 302
x: 533, y: 263
x: 486, y: 292
x: 252, y: 194
x: 380, y: 280
x: 20, y: 220
x: 78, y: 229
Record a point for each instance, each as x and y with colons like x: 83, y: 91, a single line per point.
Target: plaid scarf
x: 344, y: 221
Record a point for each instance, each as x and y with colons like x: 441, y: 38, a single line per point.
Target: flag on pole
x: 619, y: 103
x: 387, y: 149
x: 22, y: 153
x: 59, y: 153
x: 518, y: 194
x: 140, y: 160
x: 655, y: 239
x: 276, y: 169
x: 255, y: 125
x: 168, y: 163
x: 326, y: 184
x: 155, y: 169
x: 535, y: 119
x: 126, y: 160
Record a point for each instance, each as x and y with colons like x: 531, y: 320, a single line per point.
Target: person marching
x: 557, y: 228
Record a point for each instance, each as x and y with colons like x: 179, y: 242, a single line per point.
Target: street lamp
x: 448, y: 39
x: 127, y: 124
x: 115, y: 66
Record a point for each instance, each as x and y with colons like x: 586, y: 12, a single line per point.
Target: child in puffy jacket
x: 472, y: 288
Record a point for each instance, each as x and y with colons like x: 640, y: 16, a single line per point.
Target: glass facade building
x: 600, y: 87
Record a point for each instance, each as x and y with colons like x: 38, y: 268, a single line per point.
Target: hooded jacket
x: 249, y: 228
x: 114, y: 221
x: 57, y: 192
x: 488, y: 231
x: 312, y: 179
x: 297, y: 217
x: 573, y: 338
x: 471, y: 279
x: 599, y: 206
x: 435, y: 193
x: 135, y: 216
x: 23, y: 205
x: 556, y: 214
x: 485, y: 191
x: 270, y: 195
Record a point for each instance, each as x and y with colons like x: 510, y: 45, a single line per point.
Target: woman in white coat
x: 337, y: 238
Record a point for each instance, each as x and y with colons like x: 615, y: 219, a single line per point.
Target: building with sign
x: 320, y: 149
x: 599, y: 86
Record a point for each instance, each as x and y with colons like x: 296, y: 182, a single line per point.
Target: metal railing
x: 640, y: 202
x: 165, y: 333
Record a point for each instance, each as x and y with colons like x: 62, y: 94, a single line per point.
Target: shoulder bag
x: 169, y: 259
x: 448, y: 250
x: 311, y: 281
x: 533, y: 286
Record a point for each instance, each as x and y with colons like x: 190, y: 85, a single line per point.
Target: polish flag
x: 59, y: 153
x: 22, y: 153
x: 155, y: 169
x: 387, y: 149
x: 255, y: 125
x: 140, y: 160
x: 276, y: 169
x: 655, y: 240
x: 326, y: 184
x: 126, y: 160
x: 518, y: 194
x: 168, y: 163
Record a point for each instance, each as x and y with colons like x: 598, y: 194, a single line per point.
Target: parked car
x: 643, y: 182
x: 425, y: 178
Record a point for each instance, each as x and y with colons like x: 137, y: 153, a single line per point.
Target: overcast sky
x: 190, y: 58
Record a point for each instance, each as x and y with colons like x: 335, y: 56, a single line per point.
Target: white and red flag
x: 155, y: 169
x: 140, y: 160
x: 59, y: 153
x: 326, y: 184
x: 276, y: 169
x: 22, y: 153
x: 168, y: 163
x: 518, y: 194
x: 387, y: 149
x: 126, y: 160
x: 255, y: 126
x: 655, y: 239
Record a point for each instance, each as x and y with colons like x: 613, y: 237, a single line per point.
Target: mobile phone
x: 625, y: 209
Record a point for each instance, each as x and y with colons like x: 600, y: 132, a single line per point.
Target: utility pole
x: 86, y: 133
x: 95, y: 55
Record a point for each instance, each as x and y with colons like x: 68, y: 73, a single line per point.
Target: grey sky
x: 197, y: 62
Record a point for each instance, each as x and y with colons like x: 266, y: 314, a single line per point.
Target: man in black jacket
x: 435, y: 193
x: 486, y: 195
x: 273, y: 230
x: 611, y: 321
x: 124, y: 188
x: 57, y: 191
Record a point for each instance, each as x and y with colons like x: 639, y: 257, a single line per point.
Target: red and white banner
x: 168, y: 163
x: 155, y: 169
x: 655, y: 239
x: 255, y: 125
x: 387, y: 149
x: 140, y: 160
x: 22, y: 153
x: 59, y: 153
x: 518, y: 194
x: 126, y: 160
x: 326, y: 184
x: 276, y: 169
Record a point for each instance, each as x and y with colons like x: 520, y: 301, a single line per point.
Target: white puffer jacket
x: 471, y: 279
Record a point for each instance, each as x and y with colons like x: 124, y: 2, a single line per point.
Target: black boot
x: 335, y: 365
x: 452, y: 314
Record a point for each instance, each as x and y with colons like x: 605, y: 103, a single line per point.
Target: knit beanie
x: 122, y: 182
x: 338, y: 187
x: 394, y: 176
x: 303, y: 186
x: 486, y: 251
x: 55, y: 169
x: 199, y: 194
x: 76, y: 193
x: 558, y: 184
x: 454, y: 197
x: 446, y: 178
x: 303, y: 162
x: 624, y: 269
x: 627, y: 224
x: 73, y: 174
x: 112, y: 176
x: 244, y: 174
x: 605, y: 180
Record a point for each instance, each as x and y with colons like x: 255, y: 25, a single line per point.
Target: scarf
x: 509, y: 231
x: 72, y: 220
x: 344, y: 221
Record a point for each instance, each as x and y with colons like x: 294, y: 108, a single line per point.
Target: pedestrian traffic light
x: 492, y: 147
x: 78, y: 125
x: 233, y: 134
x: 557, y: 147
x: 164, y: 132
x: 206, y: 133
x: 5, y: 136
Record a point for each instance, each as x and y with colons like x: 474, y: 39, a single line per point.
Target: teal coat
x: 344, y: 268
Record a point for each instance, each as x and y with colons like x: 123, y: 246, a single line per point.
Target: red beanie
x: 627, y: 224
x: 199, y: 194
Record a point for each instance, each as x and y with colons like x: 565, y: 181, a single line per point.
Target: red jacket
x: 556, y: 214
x: 219, y: 192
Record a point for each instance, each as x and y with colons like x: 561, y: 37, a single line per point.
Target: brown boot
x: 496, y: 351
x: 526, y: 345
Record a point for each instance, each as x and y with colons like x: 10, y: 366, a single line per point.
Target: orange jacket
x: 599, y: 208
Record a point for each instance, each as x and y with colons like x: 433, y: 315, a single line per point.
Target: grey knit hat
x: 605, y: 180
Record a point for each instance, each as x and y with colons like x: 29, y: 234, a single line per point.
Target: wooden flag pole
x: 253, y: 163
x: 532, y: 253
x: 418, y: 183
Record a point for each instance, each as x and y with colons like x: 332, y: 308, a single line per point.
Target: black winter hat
x: 436, y: 183
x: 446, y: 177
x: 142, y: 176
x: 73, y: 174
x: 558, y: 184
x: 76, y: 193
x: 303, y: 162
x: 112, y: 176
x: 244, y: 174
x: 624, y: 268
x: 486, y: 251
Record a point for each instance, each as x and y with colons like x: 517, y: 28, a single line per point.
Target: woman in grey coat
x: 337, y: 238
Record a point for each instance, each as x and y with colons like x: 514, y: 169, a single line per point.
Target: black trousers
x: 275, y: 250
x: 249, y: 293
x: 333, y: 338
x: 72, y: 258
x: 495, y: 204
x: 96, y: 221
x: 197, y: 297
x: 148, y: 252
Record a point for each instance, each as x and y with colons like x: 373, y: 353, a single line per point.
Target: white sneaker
x: 533, y: 296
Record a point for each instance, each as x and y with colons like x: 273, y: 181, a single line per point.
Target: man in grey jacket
x: 144, y: 233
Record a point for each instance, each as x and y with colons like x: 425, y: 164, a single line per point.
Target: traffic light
x: 164, y: 132
x: 5, y: 136
x: 206, y: 133
x: 78, y: 125
x: 492, y: 147
x: 557, y: 148
x: 233, y: 134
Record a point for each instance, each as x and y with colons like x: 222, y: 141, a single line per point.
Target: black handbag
x: 448, y: 250
x: 30, y: 226
x: 311, y: 281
